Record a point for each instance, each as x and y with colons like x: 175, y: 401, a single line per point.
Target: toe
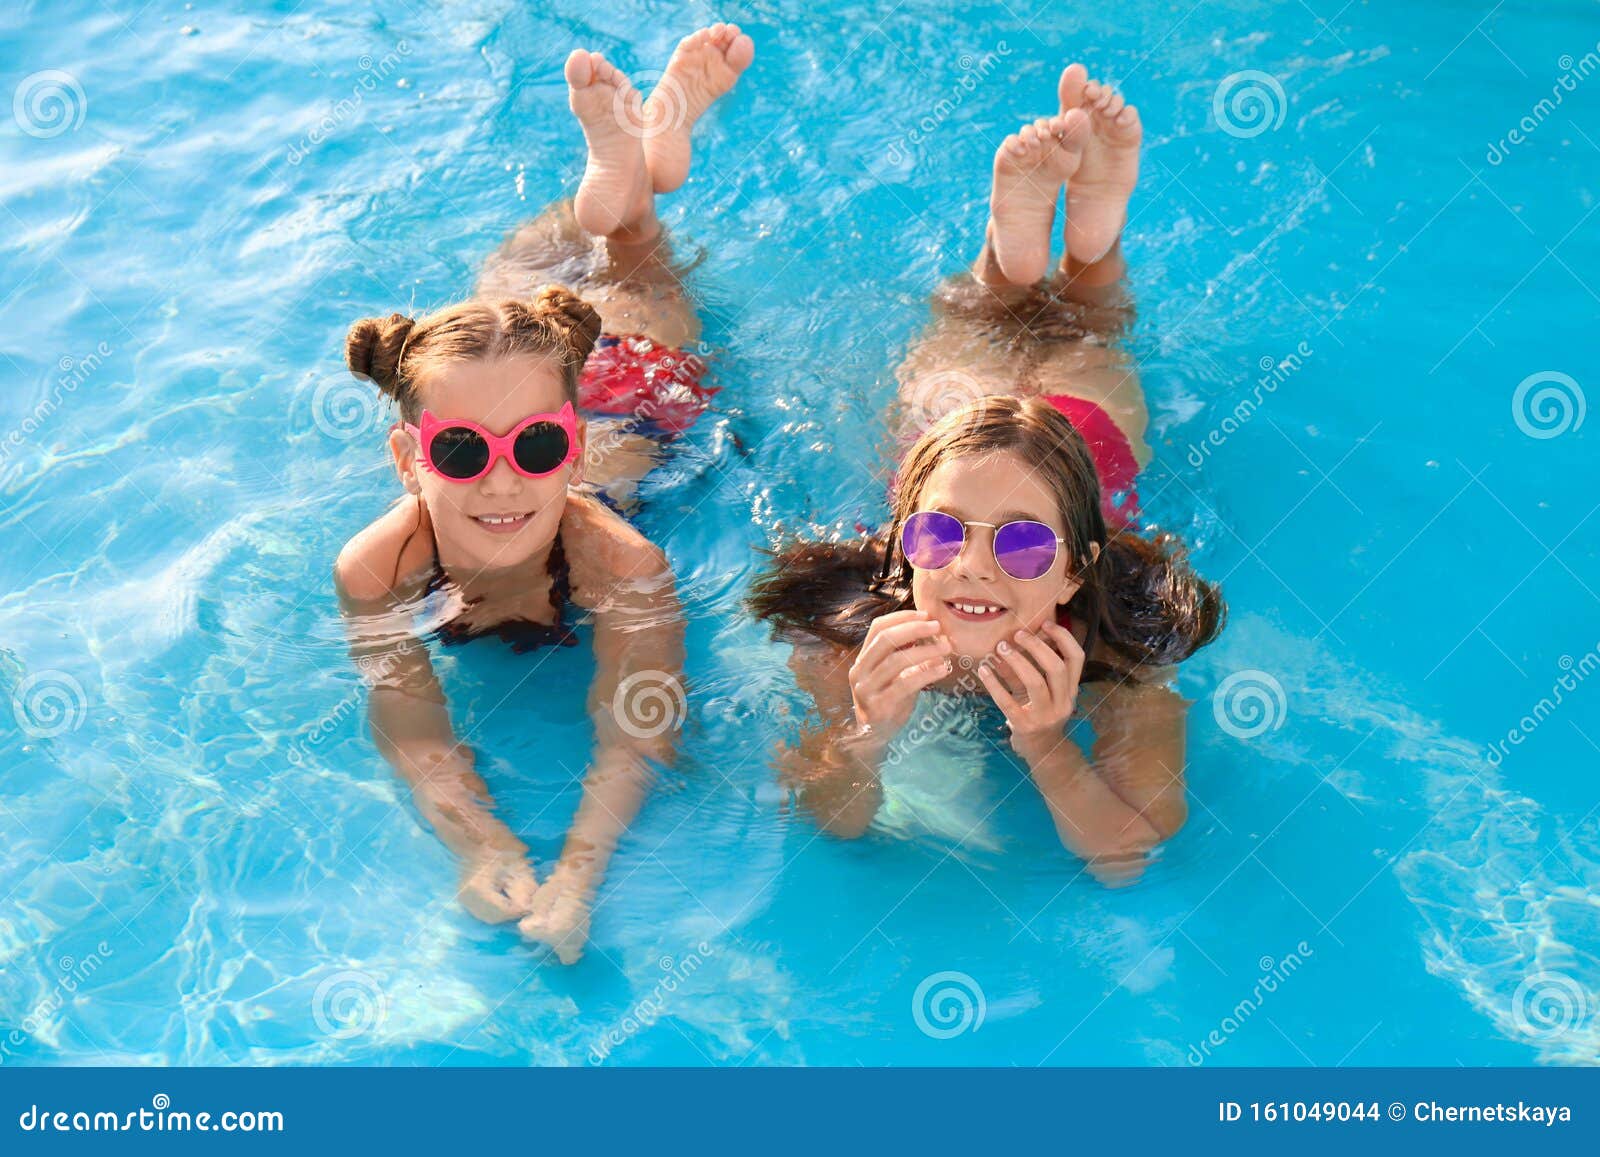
x: 741, y: 52
x: 1075, y: 127
x: 578, y: 71
x: 1070, y: 88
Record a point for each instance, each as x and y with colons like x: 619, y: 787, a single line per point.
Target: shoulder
x: 382, y: 560
x: 604, y: 551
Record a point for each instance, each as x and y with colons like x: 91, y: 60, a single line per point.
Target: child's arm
x: 409, y: 722
x: 1139, y: 750
x: 638, y: 704
x: 1113, y: 813
x: 833, y: 767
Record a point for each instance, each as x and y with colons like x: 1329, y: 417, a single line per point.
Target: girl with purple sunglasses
x: 1010, y: 567
x: 506, y: 403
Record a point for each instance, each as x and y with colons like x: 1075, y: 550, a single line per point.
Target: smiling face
x: 503, y: 518
x: 976, y: 602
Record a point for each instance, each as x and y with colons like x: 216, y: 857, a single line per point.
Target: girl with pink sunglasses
x: 1011, y: 568
x: 507, y: 403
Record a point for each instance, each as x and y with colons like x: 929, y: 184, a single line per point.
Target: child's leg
x: 986, y: 324
x: 1090, y: 281
x: 607, y: 243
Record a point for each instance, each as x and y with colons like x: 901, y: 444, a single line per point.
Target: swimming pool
x: 1346, y: 221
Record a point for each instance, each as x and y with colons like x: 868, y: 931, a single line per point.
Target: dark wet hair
x: 395, y: 352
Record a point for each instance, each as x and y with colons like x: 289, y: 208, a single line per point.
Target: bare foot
x: 614, y: 199
x: 559, y: 918
x: 704, y: 66
x: 1097, y: 198
x: 498, y: 888
x: 1029, y: 169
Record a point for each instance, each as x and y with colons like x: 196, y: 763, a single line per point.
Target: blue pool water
x: 205, y: 859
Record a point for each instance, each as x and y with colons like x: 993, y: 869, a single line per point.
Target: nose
x: 501, y: 480
x: 976, y: 560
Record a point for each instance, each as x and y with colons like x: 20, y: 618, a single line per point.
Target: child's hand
x: 904, y: 653
x: 497, y: 887
x: 1046, y: 666
x: 559, y: 917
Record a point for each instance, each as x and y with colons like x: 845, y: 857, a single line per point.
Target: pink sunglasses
x: 462, y: 451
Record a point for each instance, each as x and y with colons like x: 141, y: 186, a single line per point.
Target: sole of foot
x: 614, y: 198
x: 705, y: 66
x: 1030, y: 167
x: 1097, y: 198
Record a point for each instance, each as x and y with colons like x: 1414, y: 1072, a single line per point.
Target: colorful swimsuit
x: 658, y: 387
x: 1113, y: 458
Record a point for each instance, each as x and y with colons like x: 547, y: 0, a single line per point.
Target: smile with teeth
x: 975, y: 609
x: 501, y: 523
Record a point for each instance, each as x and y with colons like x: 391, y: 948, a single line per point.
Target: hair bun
x: 373, y: 349
x: 576, y: 317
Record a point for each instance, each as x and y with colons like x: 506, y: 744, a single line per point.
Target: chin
x: 492, y: 550
x: 975, y: 640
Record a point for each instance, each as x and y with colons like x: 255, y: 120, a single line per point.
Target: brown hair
x: 396, y: 352
x: 1139, y: 595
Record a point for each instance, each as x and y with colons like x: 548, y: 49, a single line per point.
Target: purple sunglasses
x: 1026, y: 550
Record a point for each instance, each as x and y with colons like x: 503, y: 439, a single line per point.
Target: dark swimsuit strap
x: 522, y: 634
